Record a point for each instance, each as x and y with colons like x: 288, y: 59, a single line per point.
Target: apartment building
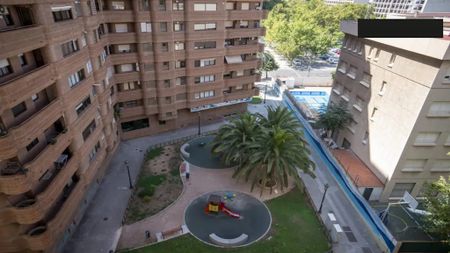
x: 76, y: 77
x: 384, y: 7
x: 335, y: 2
x: 398, y: 91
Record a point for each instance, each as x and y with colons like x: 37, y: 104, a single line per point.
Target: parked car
x: 297, y: 62
x: 333, y: 60
x: 324, y: 57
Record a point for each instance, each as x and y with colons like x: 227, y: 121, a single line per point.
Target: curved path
x: 201, y: 181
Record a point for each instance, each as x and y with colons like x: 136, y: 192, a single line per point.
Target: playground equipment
x: 215, y: 205
x: 411, y: 203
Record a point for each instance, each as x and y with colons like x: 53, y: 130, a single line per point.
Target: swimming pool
x: 313, y: 99
x: 360, y: 204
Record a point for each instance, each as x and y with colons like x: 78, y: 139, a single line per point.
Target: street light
x: 199, y: 132
x: 129, y: 175
x: 323, y: 197
x: 265, y: 91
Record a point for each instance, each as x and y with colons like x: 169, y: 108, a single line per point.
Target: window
x: 181, y: 96
x: 129, y: 86
x: 366, y: 79
x: 81, y: 107
x: 360, y: 48
x: 163, y: 27
x: 358, y: 103
x: 204, y: 7
x: 382, y: 88
x: 352, y: 72
x: 178, y: 26
x: 180, y: 64
x: 447, y: 142
x: 179, y: 45
x: 337, y: 89
x: 168, y: 100
x: 5, y: 68
x: 76, y: 78
x: 441, y: 166
x: 204, y: 45
x: 22, y: 60
x: 134, y: 125
x: 205, y: 62
x: 131, y: 103
x: 118, y: 5
x: 178, y: 5
x: 89, y: 130
x: 83, y: 40
x: 162, y: 5
x: 352, y: 126
x: 229, y: 6
x: 439, y: 109
x: 6, y: 16
x: 400, y: 188
x: 164, y: 47
x: 372, y: 115
x: 392, y: 60
x: 205, y: 79
x: 146, y: 27
x: 19, y: 109
x: 166, y: 83
x: 89, y: 66
x: 342, y: 67
x: 377, y: 55
x: 346, y: 94
x: 165, y: 65
x: 32, y: 144
x: 34, y: 97
x: 180, y: 80
x: 122, y: 28
x: 232, y: 59
x: 94, y: 151
x: 69, y: 48
x: 205, y: 26
x: 370, y: 52
x: 62, y: 13
x: 245, y: 6
x: 414, y: 165
x: 240, y: 73
x: 204, y: 94
x: 243, y: 24
x: 124, y: 48
x: 426, y: 139
x: 161, y: 122
x: 365, y: 138
x: 229, y: 24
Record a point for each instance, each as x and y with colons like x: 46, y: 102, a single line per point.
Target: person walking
x: 187, y: 171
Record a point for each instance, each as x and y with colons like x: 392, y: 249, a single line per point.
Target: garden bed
x: 158, y: 185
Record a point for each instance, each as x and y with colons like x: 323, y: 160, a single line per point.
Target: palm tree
x: 334, y: 117
x: 275, y: 155
x: 232, y: 140
x: 267, y: 149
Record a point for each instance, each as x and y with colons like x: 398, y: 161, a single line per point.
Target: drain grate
x: 348, y: 232
x: 366, y: 250
x: 346, y: 229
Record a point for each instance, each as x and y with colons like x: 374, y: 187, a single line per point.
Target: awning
x: 233, y: 59
x: 62, y: 8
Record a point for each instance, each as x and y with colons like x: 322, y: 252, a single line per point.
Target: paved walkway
x: 201, y: 181
x: 100, y: 228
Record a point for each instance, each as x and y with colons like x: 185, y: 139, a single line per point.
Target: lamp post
x: 129, y: 175
x: 199, y: 131
x: 265, y: 91
x: 323, y: 197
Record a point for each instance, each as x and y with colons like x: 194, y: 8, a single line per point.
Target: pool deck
x: 201, y: 181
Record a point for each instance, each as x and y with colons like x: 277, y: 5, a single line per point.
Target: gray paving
x: 99, y: 230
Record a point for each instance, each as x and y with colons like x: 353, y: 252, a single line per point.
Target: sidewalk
x: 99, y: 230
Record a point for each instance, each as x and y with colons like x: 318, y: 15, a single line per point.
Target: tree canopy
x: 334, y: 117
x: 309, y: 28
x: 268, y: 62
x: 437, y: 202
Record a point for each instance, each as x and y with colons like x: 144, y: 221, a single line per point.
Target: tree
x: 309, y: 28
x: 437, y: 203
x: 268, y: 62
x: 334, y: 117
x: 232, y: 140
x: 275, y: 150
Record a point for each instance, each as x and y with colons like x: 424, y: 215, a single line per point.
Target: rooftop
x: 359, y: 173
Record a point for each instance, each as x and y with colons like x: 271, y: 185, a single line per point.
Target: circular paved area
x: 254, y: 220
x: 200, y: 154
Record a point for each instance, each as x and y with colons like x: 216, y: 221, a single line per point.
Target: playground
x: 198, y: 152
x: 228, y: 219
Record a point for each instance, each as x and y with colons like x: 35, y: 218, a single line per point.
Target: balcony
x: 33, y: 61
x: 238, y: 94
x: 246, y: 14
x: 118, y: 16
x: 245, y: 32
x: 240, y: 80
x: 129, y: 95
x: 20, y: 88
x: 121, y: 38
x: 31, y: 210
x: 26, y: 38
x: 8, y: 148
x: 248, y: 64
x: 251, y: 47
x: 43, y: 119
x: 123, y: 58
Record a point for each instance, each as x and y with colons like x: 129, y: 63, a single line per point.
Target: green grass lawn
x: 256, y: 100
x: 295, y: 228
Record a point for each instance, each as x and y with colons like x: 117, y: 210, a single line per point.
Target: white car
x: 333, y: 60
x: 297, y: 62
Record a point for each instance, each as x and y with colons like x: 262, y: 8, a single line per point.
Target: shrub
x: 256, y: 100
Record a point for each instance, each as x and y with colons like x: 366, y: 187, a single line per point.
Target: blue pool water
x: 361, y: 205
x: 313, y: 99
